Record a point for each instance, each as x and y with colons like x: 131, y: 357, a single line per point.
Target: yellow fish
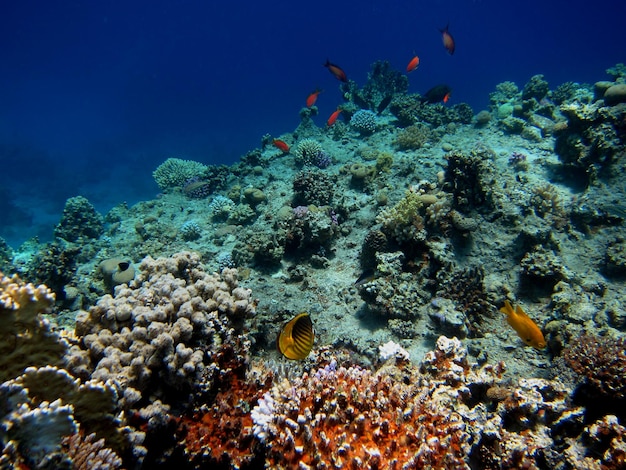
x: 523, y: 325
x: 295, y: 340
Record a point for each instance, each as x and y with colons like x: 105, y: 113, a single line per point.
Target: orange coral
x: 354, y: 418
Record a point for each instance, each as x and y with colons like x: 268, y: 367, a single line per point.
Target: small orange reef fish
x: 414, y: 64
x: 312, y: 98
x: 296, y: 339
x: 281, y: 145
x: 448, y: 40
x: 333, y: 118
x: 523, y: 325
x: 336, y: 71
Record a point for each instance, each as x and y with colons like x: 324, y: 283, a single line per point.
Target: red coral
x: 353, y: 418
x: 221, y: 434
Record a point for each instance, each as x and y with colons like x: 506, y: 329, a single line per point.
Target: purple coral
x: 517, y: 158
x: 322, y: 159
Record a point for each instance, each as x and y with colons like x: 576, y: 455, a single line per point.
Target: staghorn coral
x: 87, y: 453
x: 162, y: 332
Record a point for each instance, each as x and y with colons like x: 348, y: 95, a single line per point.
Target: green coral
x: 403, y: 221
x: 175, y: 172
x: 413, y: 137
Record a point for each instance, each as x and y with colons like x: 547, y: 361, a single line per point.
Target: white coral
x: 390, y: 349
x: 263, y: 415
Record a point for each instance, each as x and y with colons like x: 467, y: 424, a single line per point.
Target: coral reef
x: 79, y: 220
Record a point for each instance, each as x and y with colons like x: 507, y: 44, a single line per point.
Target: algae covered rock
x: 79, y: 220
x: 615, y: 94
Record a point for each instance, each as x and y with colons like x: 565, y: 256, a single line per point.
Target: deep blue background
x: 95, y: 95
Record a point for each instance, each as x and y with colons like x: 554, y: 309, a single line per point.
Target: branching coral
x: 175, y: 172
x: 162, y: 332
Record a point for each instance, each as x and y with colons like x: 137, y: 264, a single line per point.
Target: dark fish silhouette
x: 436, y: 94
x: 383, y: 104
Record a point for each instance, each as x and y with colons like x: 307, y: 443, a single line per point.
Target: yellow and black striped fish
x: 295, y: 340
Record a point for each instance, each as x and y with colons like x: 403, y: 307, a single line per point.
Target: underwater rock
x: 79, y: 220
x: 615, y: 94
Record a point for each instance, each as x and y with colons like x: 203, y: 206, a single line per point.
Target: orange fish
x: 414, y: 64
x: 336, y: 71
x: 523, y: 325
x: 333, y: 117
x: 281, y: 145
x: 312, y: 98
x: 446, y: 97
x: 448, y: 40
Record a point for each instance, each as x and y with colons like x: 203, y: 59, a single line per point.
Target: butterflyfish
x: 295, y: 340
x: 523, y: 325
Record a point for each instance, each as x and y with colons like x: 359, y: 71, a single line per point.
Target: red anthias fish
x: 336, y: 71
x: 333, y: 117
x: 281, y: 145
x: 448, y: 40
x: 312, y: 98
x: 414, y: 64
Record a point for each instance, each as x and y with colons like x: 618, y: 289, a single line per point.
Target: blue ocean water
x: 95, y: 95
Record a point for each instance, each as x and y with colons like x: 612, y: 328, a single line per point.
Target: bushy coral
x: 190, y: 230
x: 414, y: 137
x: 364, y: 121
x: 220, y: 207
x: 537, y: 87
x: 600, y: 361
x: 469, y: 178
x: 175, y: 172
x: 404, y: 222
x: 313, y: 187
x: 79, y: 220
x: 307, y: 152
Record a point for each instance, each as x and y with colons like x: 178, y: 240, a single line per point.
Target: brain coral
x: 175, y: 172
